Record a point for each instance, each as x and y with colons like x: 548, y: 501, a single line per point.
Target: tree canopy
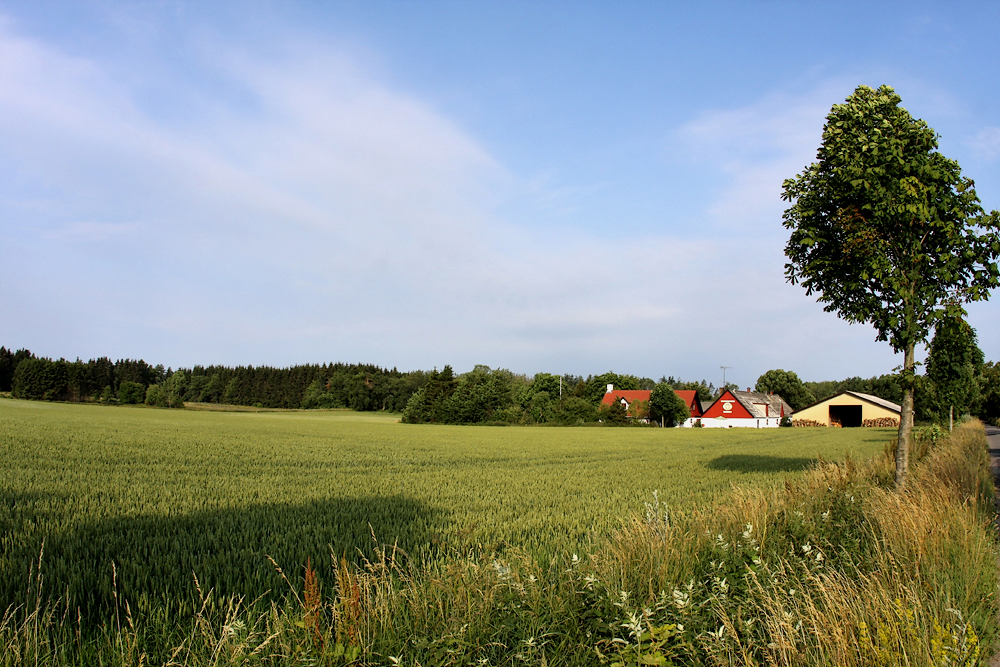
x: 954, y: 362
x: 886, y: 230
x: 787, y: 385
x: 665, y: 404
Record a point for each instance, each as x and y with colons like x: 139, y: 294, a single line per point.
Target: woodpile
x: 881, y: 422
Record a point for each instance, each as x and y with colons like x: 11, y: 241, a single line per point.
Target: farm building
x: 849, y: 408
x: 629, y: 396
x: 746, y: 409
x: 625, y: 396
x: 690, y: 398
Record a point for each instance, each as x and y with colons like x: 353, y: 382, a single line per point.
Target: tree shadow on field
x: 152, y: 561
x: 759, y: 463
x: 20, y: 507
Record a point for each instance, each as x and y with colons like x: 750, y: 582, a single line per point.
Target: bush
x: 155, y: 396
x: 426, y: 405
x: 131, y: 393
x: 541, y: 409
x: 613, y: 414
x: 480, y: 395
x: 575, y: 410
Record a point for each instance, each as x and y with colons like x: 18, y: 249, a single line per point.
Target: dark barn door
x: 847, y: 415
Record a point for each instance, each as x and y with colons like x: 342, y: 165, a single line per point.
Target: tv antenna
x: 724, y: 376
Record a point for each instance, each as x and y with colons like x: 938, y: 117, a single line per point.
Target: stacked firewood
x: 806, y: 422
x: 881, y: 422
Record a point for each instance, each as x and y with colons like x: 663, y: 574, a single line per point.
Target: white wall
x: 771, y: 422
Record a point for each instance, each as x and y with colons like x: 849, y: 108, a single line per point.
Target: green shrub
x: 155, y: 396
x: 131, y: 393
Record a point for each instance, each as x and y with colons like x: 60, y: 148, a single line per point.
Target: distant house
x: 628, y: 397
x: 849, y: 408
x: 745, y: 409
x: 690, y: 398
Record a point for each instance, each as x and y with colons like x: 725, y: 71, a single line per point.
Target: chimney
x: 611, y: 388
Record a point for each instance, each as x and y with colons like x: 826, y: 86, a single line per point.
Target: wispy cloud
x: 985, y: 144
x: 755, y: 147
x: 314, y: 212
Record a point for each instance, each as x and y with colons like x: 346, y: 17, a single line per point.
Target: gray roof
x: 752, y: 400
x: 888, y: 405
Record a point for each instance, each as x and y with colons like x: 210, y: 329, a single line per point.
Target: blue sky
x: 560, y: 187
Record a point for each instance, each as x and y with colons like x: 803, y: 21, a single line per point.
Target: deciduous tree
x: 887, y: 231
x: 666, y: 407
x: 787, y: 385
x: 954, y: 362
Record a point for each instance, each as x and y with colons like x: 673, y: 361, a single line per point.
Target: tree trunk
x: 905, y: 420
x: 951, y: 417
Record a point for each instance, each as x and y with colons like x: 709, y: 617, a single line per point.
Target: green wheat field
x: 123, y: 504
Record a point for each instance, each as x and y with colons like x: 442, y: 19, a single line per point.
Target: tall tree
x: 988, y: 405
x: 595, y: 387
x: 954, y: 362
x: 666, y: 407
x: 6, y: 369
x: 787, y: 385
x: 887, y: 231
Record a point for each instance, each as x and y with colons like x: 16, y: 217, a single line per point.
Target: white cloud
x: 755, y: 147
x: 316, y: 213
x: 985, y: 144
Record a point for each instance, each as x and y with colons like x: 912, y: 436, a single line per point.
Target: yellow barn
x: 849, y: 408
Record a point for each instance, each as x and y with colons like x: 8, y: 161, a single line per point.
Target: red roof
x: 690, y: 398
x: 630, y: 395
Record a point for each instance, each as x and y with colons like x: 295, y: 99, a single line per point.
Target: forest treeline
x: 127, y: 381
x: 480, y: 396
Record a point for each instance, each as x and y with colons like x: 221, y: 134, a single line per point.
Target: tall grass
x: 835, y: 568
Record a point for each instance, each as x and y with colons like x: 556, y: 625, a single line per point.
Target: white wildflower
x: 634, y: 625
x: 681, y: 599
